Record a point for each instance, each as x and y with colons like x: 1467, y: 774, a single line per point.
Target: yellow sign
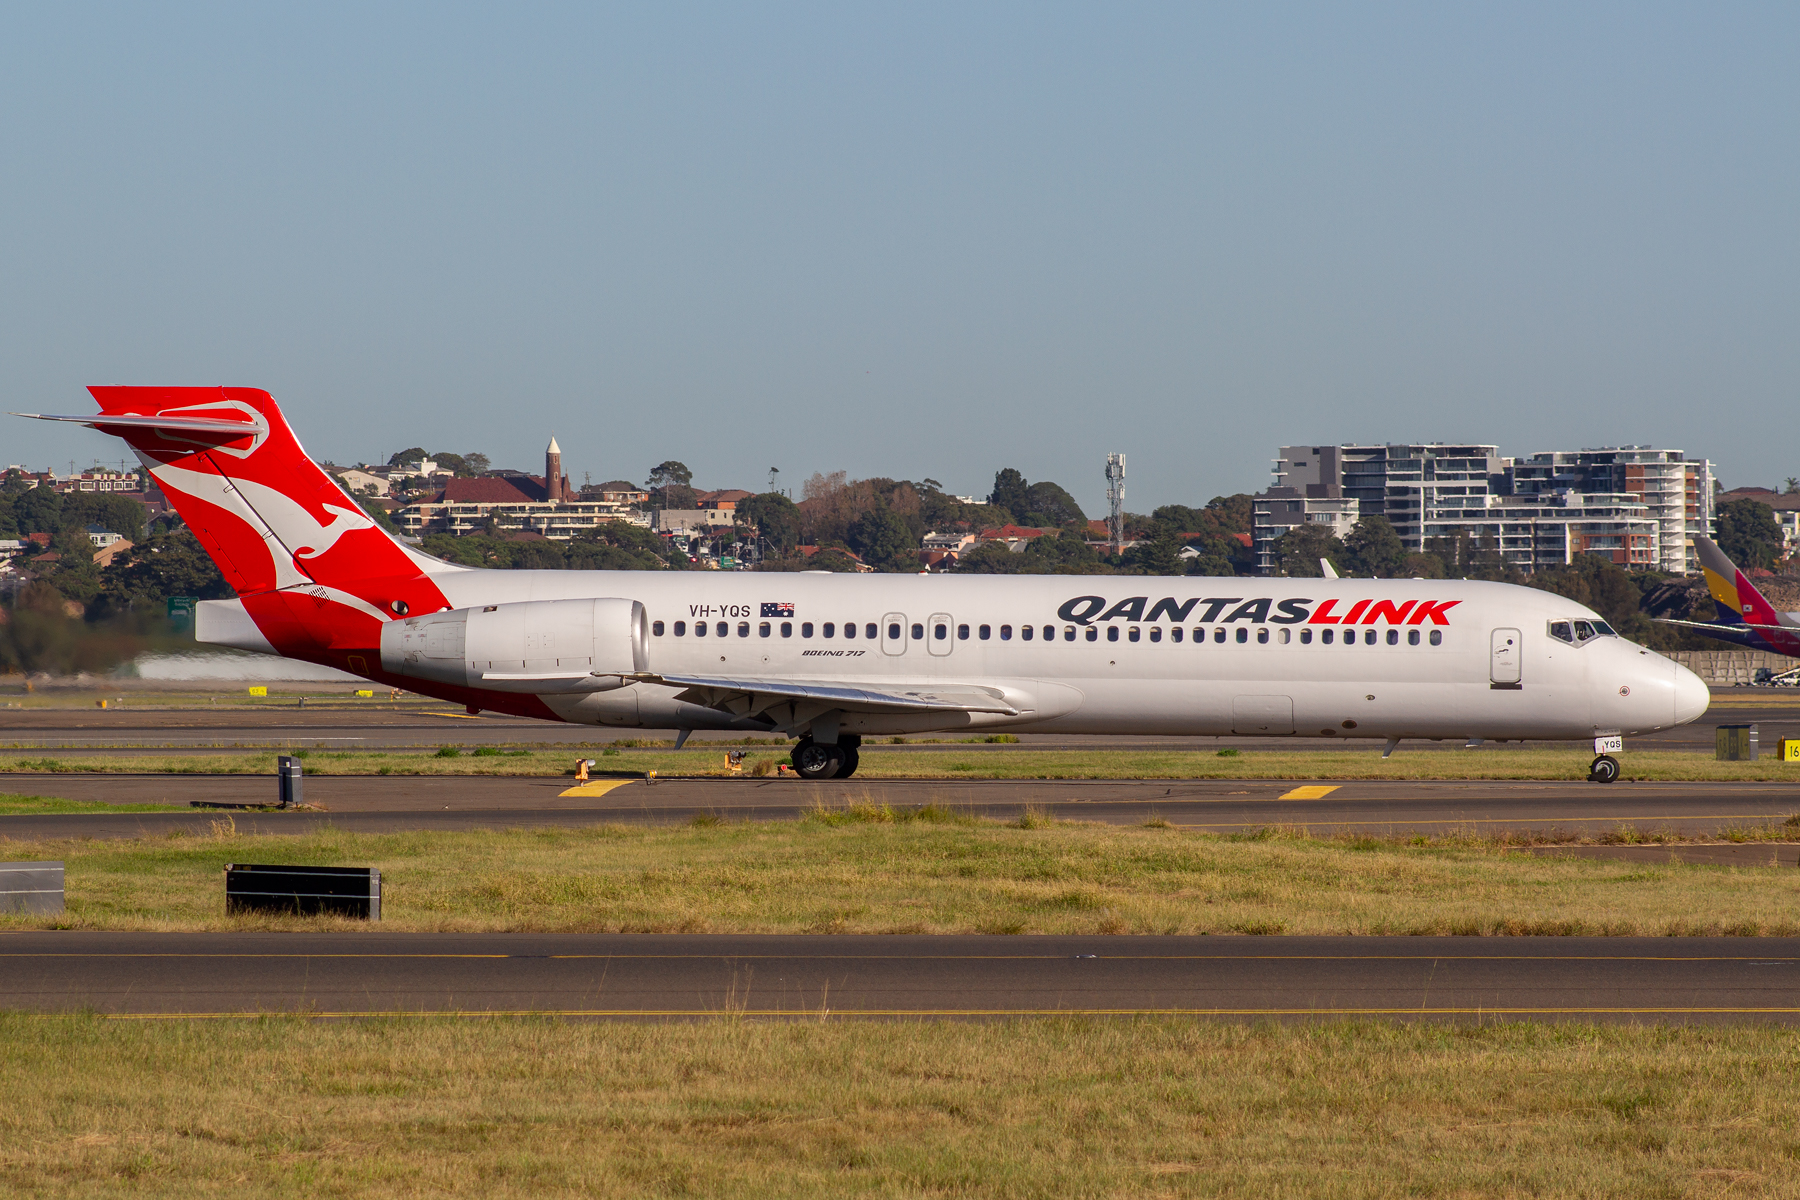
x: 366, y: 693
x: 1790, y: 749
x: 259, y: 691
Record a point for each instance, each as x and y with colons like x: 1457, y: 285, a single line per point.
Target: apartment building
x: 1638, y: 504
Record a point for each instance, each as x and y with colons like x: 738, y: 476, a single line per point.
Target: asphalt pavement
x: 815, y: 976
x: 386, y: 803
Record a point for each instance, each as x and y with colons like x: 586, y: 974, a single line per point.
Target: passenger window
x: 1437, y: 637
x: 962, y: 633
x: 894, y: 632
x: 787, y: 629
x: 1112, y: 633
x: 722, y: 629
x: 1175, y: 634
x: 806, y: 629
x: 849, y: 629
x: 1326, y: 636
x: 1393, y: 637
x: 1285, y: 634
x: 1050, y: 633
x: 1133, y: 633
x: 869, y: 630
x: 1068, y: 633
x: 699, y: 628
x: 1026, y: 631
x: 1262, y: 637
x: 1412, y: 637
x: 1093, y: 635
x: 1306, y: 637
x: 1219, y: 635
x: 656, y: 628
x: 681, y: 629
x: 1243, y: 635
x: 1562, y: 631
x: 744, y: 629
x: 986, y: 632
x: 763, y: 630
x: 830, y: 630
x: 1156, y: 633
x: 940, y: 632
x: 1006, y: 633
x: 1368, y: 637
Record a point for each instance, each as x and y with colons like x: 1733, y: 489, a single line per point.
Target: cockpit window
x: 1584, y: 631
x: 1578, y: 632
x: 1601, y: 627
x: 1561, y: 631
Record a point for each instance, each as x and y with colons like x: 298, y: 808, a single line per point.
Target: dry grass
x: 971, y: 762
x: 285, y: 1107
x: 876, y: 870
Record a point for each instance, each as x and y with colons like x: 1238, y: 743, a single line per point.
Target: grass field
x: 932, y: 871
x: 285, y: 1107
x: 967, y: 762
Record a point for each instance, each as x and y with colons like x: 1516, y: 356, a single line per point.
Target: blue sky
x: 912, y: 240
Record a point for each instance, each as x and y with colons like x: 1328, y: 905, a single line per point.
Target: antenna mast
x: 1115, y: 501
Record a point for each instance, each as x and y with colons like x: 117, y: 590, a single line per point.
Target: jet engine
x: 529, y: 646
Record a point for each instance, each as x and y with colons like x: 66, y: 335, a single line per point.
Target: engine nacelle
x: 529, y: 646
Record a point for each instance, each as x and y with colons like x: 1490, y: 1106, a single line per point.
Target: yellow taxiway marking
x: 596, y: 787
x: 1312, y: 791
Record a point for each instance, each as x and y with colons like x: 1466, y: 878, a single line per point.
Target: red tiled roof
x: 1242, y: 539
x: 494, y: 489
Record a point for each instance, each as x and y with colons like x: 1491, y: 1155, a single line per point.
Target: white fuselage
x: 1096, y: 662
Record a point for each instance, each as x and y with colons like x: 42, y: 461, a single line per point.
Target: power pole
x: 1115, y: 501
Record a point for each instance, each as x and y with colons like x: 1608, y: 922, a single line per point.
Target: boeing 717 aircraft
x: 831, y: 659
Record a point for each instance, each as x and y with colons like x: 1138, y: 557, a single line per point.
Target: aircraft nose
x: 1691, y: 695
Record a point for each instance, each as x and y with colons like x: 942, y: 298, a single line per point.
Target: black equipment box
x: 346, y: 891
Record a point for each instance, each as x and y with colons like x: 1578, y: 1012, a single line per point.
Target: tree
x: 145, y: 576
x: 1159, y: 554
x: 1047, y: 504
x: 1793, y: 484
x: 880, y: 536
x: 777, y: 520
x: 1298, y: 551
x: 1011, y: 492
x: 415, y: 454
x: 477, y: 463
x: 1373, y: 548
x: 670, y: 472
x: 1748, y: 534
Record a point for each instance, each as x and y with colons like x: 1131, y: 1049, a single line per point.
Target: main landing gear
x: 1604, y: 769
x: 816, y: 760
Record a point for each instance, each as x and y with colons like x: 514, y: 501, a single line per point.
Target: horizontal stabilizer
x: 104, y: 423
x: 1715, y: 625
x: 713, y: 691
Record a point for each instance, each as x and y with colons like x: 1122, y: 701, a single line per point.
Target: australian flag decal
x: 777, y: 610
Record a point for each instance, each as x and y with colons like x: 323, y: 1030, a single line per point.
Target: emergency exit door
x: 1503, y: 659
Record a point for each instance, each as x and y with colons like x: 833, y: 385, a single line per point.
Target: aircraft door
x: 1503, y: 658
x: 940, y: 634
x: 893, y: 633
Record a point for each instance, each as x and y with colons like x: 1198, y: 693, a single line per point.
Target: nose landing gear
x: 1604, y: 769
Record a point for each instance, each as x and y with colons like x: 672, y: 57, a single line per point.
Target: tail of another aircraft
x: 1745, y: 615
x: 312, y: 569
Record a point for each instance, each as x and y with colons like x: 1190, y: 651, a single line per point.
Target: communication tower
x: 1115, y: 501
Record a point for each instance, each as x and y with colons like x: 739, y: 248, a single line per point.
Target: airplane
x: 1746, y: 618
x: 832, y: 659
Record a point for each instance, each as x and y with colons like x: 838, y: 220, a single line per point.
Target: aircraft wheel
x: 1604, y: 769
x: 850, y: 758
x: 815, y: 761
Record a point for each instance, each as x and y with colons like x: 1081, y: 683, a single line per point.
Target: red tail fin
x: 272, y: 520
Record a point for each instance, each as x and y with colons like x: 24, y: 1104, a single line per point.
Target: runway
x: 817, y: 976
x: 369, y: 803
x: 377, y: 725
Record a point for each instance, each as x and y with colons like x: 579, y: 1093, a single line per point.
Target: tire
x: 815, y: 761
x: 850, y: 759
x: 1605, y: 769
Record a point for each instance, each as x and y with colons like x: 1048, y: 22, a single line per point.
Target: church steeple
x: 553, y: 476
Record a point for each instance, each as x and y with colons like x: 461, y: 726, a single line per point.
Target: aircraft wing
x: 1724, y: 628
x: 748, y: 696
